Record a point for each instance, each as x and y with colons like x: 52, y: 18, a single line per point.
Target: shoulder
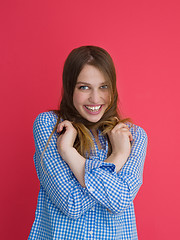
x: 45, y: 119
x: 137, y: 131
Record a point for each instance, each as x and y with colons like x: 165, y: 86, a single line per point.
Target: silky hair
x: 76, y: 60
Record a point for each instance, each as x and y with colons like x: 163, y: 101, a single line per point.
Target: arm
x: 120, y: 139
x: 115, y: 182
x: 54, y: 174
x: 117, y: 190
x: 65, y: 148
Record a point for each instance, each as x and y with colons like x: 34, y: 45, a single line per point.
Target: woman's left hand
x: 66, y: 140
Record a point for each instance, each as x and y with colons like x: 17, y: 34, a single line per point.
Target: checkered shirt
x: 104, y: 208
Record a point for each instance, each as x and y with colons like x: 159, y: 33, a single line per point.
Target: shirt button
x: 93, y: 208
x: 90, y: 232
x: 91, y: 189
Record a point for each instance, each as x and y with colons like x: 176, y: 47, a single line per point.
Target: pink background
x: 143, y: 38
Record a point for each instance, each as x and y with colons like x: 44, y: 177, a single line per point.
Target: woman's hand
x: 120, y: 138
x: 66, y: 140
x: 69, y: 154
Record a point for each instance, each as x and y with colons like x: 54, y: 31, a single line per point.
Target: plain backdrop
x: 143, y: 38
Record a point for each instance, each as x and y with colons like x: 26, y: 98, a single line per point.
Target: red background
x: 143, y: 38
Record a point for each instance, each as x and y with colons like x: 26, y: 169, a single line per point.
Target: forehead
x: 91, y: 74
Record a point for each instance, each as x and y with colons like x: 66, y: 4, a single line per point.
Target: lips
x: 93, y: 108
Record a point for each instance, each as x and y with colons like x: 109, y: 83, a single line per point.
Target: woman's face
x: 91, y: 95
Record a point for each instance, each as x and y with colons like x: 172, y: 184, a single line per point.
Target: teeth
x: 93, y: 108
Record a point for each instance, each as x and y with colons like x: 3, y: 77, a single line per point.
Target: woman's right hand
x: 66, y: 140
x: 120, y: 138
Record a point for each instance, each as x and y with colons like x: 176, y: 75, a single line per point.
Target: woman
x: 88, y: 159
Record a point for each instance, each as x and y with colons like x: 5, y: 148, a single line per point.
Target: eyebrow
x: 85, y: 83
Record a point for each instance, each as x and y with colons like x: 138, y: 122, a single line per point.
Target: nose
x: 95, y: 97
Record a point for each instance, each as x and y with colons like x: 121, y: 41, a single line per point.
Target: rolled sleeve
x: 95, y: 163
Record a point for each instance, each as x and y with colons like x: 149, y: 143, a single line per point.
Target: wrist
x: 118, y: 159
x: 67, y: 153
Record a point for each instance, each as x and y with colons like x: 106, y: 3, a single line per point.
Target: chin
x: 94, y: 120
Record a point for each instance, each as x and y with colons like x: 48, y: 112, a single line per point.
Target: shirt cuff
x: 95, y: 163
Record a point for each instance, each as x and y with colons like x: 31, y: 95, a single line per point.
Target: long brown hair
x: 76, y: 60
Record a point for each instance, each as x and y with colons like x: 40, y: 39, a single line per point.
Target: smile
x: 93, y: 108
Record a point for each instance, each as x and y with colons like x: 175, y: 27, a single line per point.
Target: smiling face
x: 91, y: 95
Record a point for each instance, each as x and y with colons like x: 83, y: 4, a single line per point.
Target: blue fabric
x: 102, y: 210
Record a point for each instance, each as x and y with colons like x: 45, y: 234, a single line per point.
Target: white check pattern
x: 102, y: 210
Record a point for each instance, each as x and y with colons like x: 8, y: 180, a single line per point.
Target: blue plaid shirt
x: 102, y: 210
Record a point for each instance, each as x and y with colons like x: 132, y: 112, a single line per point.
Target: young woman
x: 88, y: 159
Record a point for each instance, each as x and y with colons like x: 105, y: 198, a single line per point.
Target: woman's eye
x: 83, y: 87
x: 104, y: 86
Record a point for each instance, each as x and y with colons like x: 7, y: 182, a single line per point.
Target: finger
x: 119, y: 126
x: 62, y: 125
x: 118, y: 130
x: 125, y: 130
x: 130, y: 136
